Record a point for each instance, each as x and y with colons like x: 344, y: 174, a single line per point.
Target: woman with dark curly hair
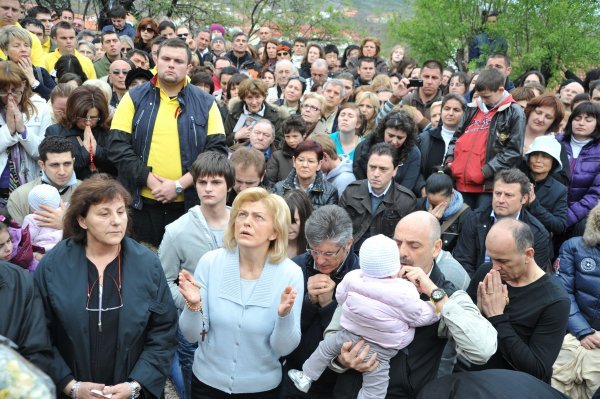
x: 400, y: 131
x: 85, y: 124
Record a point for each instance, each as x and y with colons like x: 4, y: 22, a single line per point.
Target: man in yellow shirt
x: 64, y: 35
x: 43, y: 15
x: 10, y: 11
x: 158, y: 131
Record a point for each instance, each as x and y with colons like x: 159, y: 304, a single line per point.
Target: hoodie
x: 341, y: 175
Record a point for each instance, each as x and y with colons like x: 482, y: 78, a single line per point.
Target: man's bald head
x: 418, y: 238
x: 508, y: 227
x: 424, y: 220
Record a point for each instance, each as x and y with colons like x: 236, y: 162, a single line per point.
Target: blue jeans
x: 185, y: 354
x: 176, y: 377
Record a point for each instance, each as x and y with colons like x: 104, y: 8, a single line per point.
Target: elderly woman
x: 370, y: 48
x: 328, y: 257
x: 544, y: 115
x: 252, y: 107
x: 311, y: 111
x: 307, y: 175
x: 241, y: 304
x: 85, y: 125
x: 15, y: 42
x: 23, y: 122
x: 110, y: 313
x: 87, y: 48
x: 400, y: 131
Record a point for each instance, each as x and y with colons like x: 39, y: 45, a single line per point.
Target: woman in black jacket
x: 85, y: 124
x: 112, y: 321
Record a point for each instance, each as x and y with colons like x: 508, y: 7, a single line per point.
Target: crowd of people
x: 289, y: 219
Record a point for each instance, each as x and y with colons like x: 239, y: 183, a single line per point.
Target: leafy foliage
x: 541, y: 34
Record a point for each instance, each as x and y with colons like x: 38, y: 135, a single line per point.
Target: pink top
x: 383, y: 311
x: 45, y: 237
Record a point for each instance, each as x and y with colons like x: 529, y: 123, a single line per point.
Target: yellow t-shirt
x: 86, y: 64
x: 37, y: 53
x: 165, y: 156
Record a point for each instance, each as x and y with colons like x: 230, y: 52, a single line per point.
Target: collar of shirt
x: 384, y: 191
x: 297, y: 184
x: 493, y: 216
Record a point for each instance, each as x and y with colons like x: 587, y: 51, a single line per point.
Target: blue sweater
x: 245, y: 341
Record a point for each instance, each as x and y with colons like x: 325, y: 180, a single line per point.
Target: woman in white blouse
x: 244, y: 315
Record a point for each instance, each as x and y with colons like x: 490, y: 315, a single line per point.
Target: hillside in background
x: 370, y: 17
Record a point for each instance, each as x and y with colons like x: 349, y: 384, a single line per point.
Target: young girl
x: 280, y: 163
x: 300, y: 210
x: 6, y: 245
x: 377, y: 306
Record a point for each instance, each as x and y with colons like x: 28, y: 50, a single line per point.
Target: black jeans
x: 149, y: 222
x: 202, y: 391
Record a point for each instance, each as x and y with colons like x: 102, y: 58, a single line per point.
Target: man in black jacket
x: 377, y: 203
x: 329, y: 236
x: 510, y: 194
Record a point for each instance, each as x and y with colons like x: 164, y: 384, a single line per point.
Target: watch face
x: 438, y: 294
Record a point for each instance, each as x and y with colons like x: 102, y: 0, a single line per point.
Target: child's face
x: 6, y: 246
x: 293, y: 138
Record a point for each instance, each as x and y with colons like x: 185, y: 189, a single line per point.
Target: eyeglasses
x: 14, y: 93
x: 183, y: 35
x: 147, y: 29
x: 311, y: 107
x: 282, y: 53
x: 119, y: 72
x: 324, y: 254
x: 89, y: 118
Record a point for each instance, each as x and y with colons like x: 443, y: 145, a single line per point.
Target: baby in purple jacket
x: 377, y: 306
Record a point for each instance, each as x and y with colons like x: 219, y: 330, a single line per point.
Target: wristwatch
x: 178, y: 187
x: 135, y: 389
x: 437, y: 295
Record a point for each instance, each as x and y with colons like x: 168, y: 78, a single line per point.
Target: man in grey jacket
x: 197, y: 232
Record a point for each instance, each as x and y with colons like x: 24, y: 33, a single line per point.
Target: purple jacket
x: 584, y: 188
x: 382, y: 311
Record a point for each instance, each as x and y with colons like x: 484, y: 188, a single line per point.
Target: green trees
x: 541, y: 34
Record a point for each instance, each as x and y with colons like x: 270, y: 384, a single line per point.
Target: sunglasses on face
x: 183, y: 35
x: 147, y: 29
x: 282, y: 53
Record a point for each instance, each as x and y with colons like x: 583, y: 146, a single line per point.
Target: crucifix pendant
x: 203, y: 334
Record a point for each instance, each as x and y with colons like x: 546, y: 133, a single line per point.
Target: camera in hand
x: 415, y: 83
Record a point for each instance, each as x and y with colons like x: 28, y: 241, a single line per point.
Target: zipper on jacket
x: 195, y: 134
x: 137, y: 123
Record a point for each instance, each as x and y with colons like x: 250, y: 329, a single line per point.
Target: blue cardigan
x: 244, y: 342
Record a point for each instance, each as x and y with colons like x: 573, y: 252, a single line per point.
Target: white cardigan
x: 36, y: 129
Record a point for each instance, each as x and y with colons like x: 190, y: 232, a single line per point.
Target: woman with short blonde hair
x: 241, y: 303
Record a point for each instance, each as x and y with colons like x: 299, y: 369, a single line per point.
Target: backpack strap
x: 453, y: 218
